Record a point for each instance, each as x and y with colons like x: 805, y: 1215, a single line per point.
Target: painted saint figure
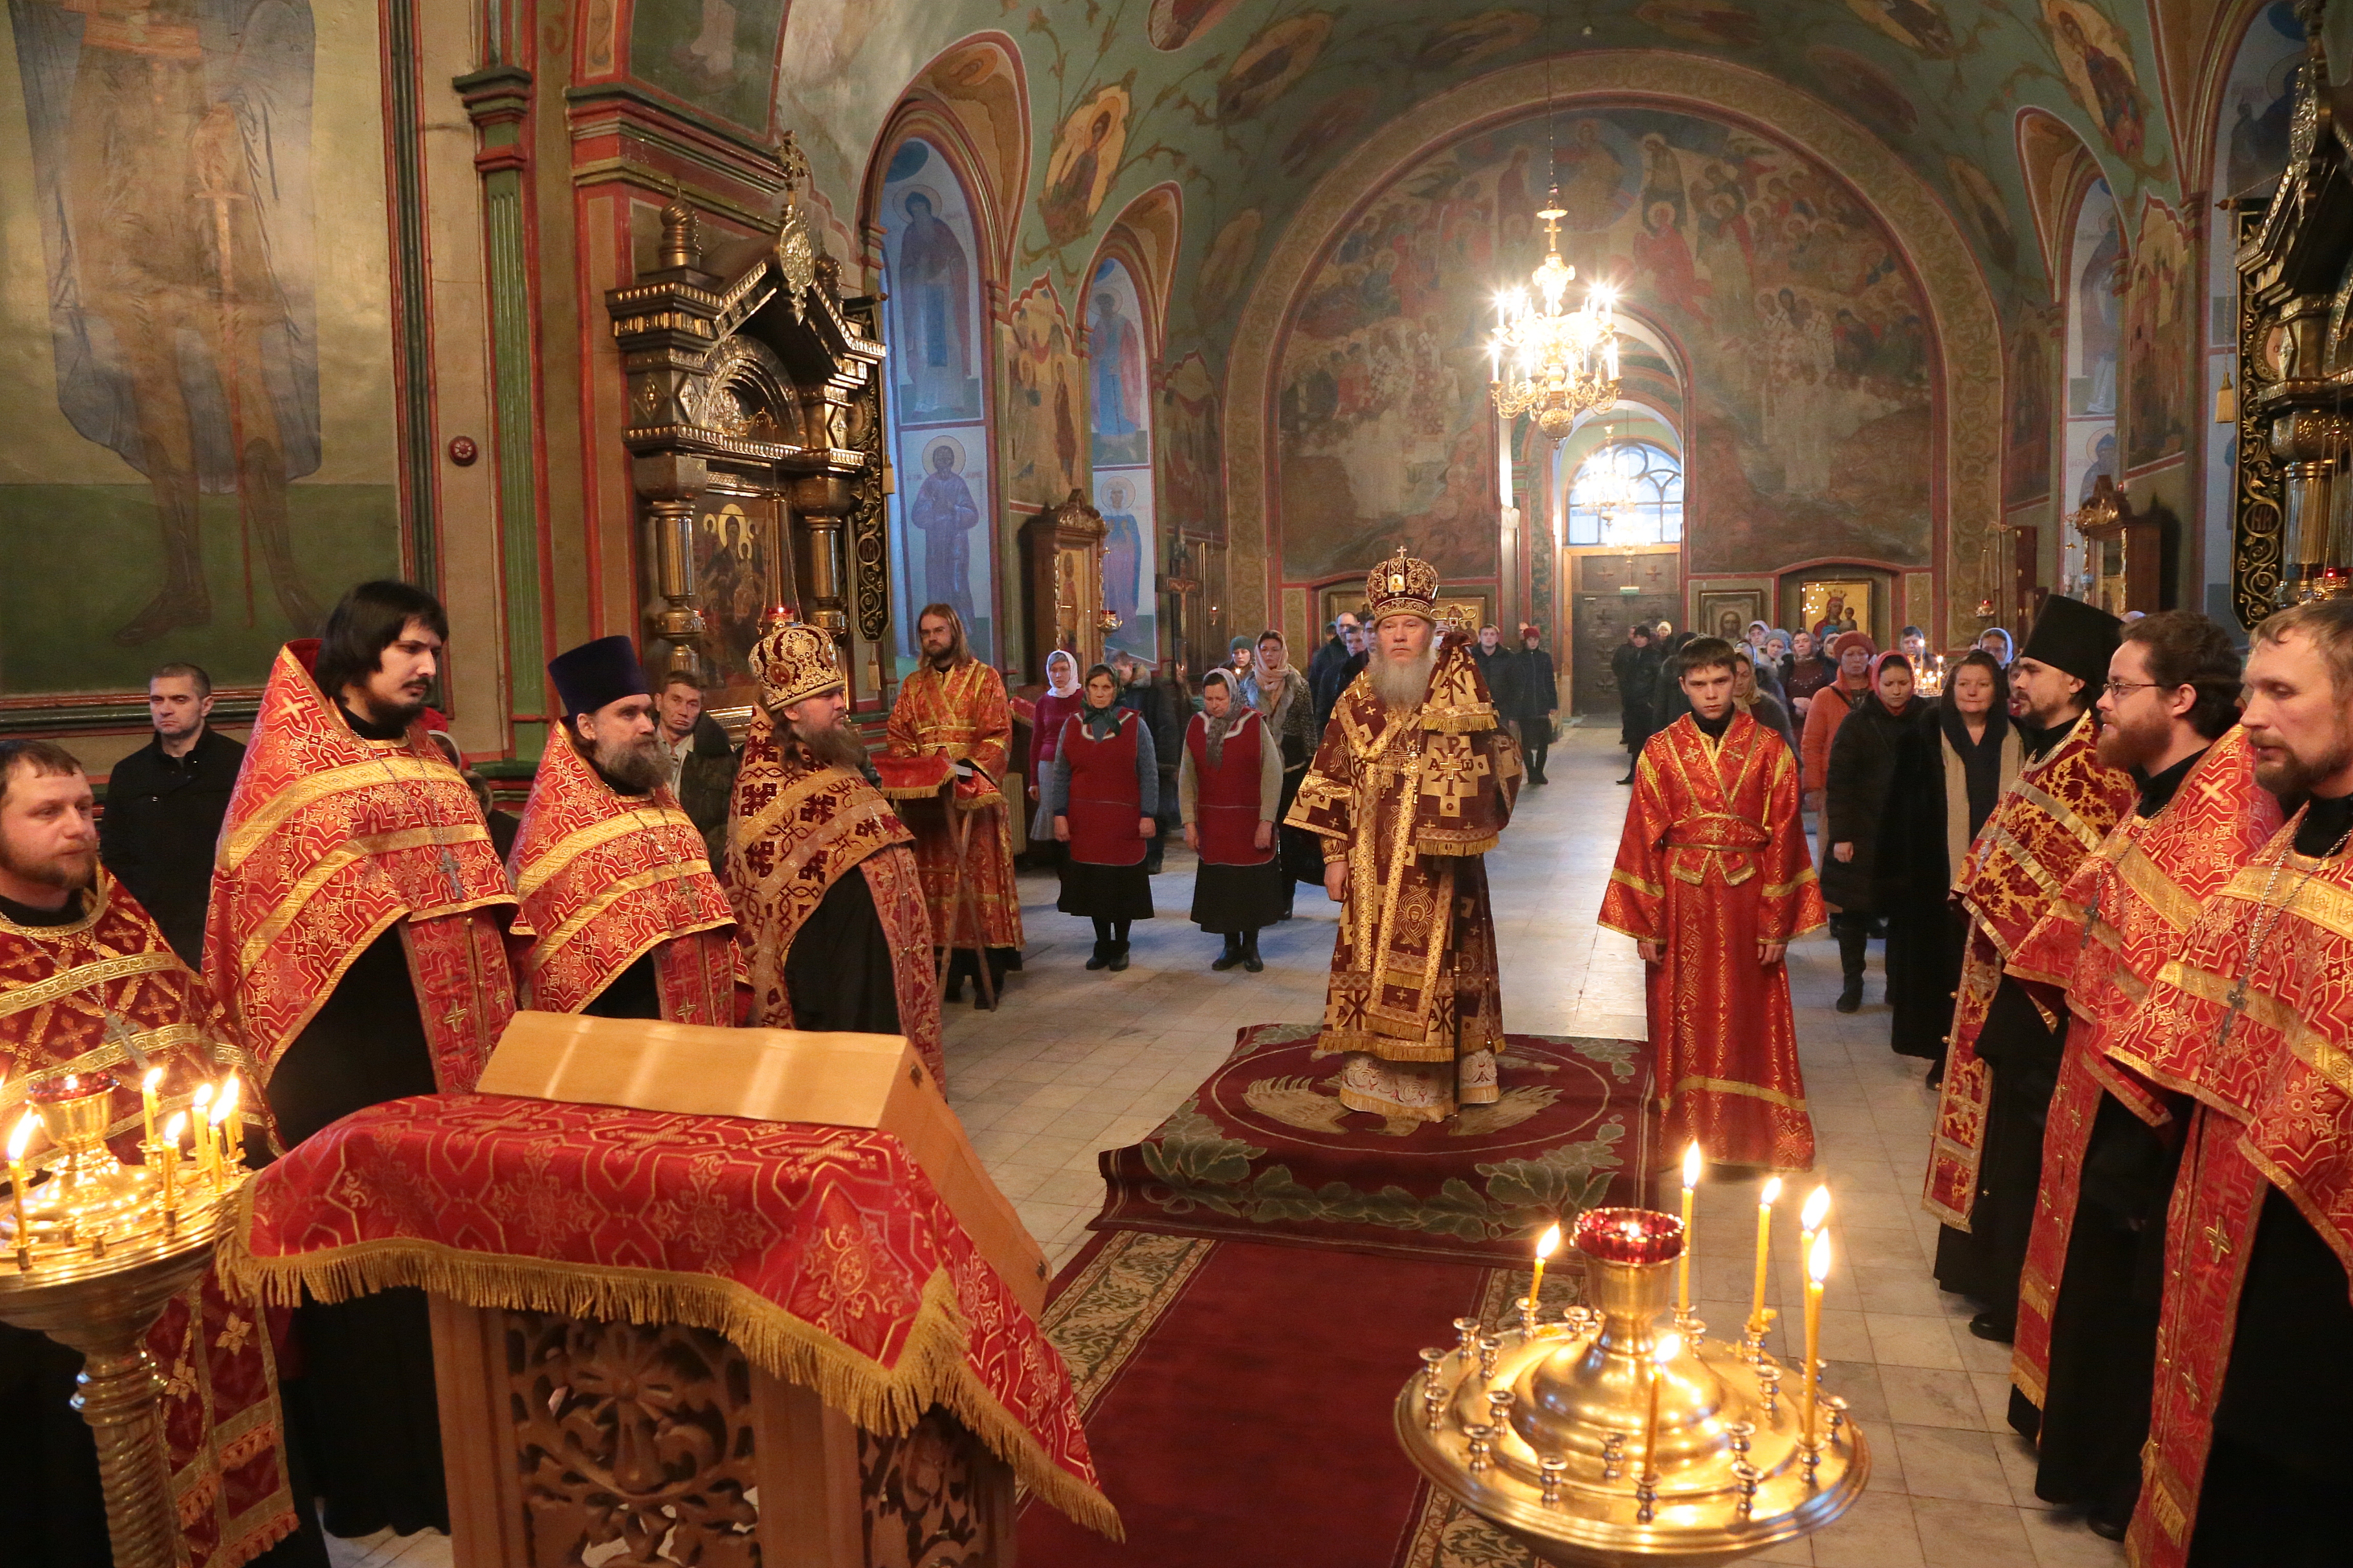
x: 946, y: 513
x: 934, y: 306
x: 1122, y: 560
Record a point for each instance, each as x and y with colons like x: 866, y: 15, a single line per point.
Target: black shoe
x: 2104, y: 1525
x: 1851, y: 999
x: 954, y: 992
x: 1101, y: 958
x: 1251, y: 961
x: 1228, y: 959
x: 1628, y: 779
x: 1987, y: 1326
x: 1936, y: 1076
x: 1118, y: 956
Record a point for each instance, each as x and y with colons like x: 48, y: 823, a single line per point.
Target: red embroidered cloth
x: 823, y: 1253
x: 604, y: 881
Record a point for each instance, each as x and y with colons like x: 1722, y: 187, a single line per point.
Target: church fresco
x: 1270, y: 63
x: 1219, y: 275
x: 1920, y: 25
x: 202, y: 453
x: 2026, y: 466
x: 1085, y: 158
x: 2158, y: 330
x: 2095, y: 60
x: 1119, y: 407
x: 1986, y: 212
x: 721, y: 54
x: 1173, y: 23
x: 1867, y: 91
x: 1191, y: 462
x: 1810, y: 403
x: 1043, y: 407
x: 1703, y: 22
x: 1475, y: 38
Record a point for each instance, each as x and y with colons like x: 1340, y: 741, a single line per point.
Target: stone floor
x: 1072, y: 1063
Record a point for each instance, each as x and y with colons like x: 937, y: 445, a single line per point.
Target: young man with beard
x: 1415, y: 757
x: 954, y: 706
x: 2250, y: 1021
x: 2086, y: 1344
x: 1985, y: 1154
x: 621, y: 916
x: 89, y: 984
x: 356, y: 939
x: 1713, y: 881
x: 823, y: 875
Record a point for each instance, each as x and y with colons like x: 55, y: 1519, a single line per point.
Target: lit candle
x: 1692, y: 1162
x: 1669, y: 1345
x: 1545, y: 1245
x: 224, y: 1127
x: 171, y: 1131
x: 1818, y: 1268
x: 204, y: 1149
x: 147, y: 1087
x: 1809, y: 1220
x: 19, y: 1182
x: 1756, y: 1318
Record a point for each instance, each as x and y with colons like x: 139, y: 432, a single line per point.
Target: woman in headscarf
x: 1997, y: 641
x: 1228, y: 794
x: 1754, y: 693
x: 1056, y: 702
x: 1870, y: 819
x: 1810, y: 669
x: 1103, y: 791
x: 1776, y: 651
x: 1977, y: 756
x: 1279, y: 692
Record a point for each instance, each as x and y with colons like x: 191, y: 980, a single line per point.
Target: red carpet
x: 1264, y: 1151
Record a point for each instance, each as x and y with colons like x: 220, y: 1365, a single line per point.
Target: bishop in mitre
x: 1412, y: 784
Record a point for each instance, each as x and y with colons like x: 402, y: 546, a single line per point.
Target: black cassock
x: 839, y: 972
x: 1985, y: 1262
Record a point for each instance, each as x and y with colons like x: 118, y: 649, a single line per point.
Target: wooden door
x: 1602, y: 611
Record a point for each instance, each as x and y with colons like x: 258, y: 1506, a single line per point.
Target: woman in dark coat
x: 1634, y: 664
x: 1875, y: 805
x: 1977, y: 756
x: 1103, y: 791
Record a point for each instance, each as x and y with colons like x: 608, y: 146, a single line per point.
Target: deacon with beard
x: 1413, y: 783
x: 1711, y: 882
x: 822, y: 872
x: 621, y: 916
x: 953, y: 705
x: 2086, y: 1345
x: 356, y: 937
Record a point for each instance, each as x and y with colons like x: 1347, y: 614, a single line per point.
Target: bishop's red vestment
x: 607, y: 879
x: 1712, y: 861
x: 962, y: 714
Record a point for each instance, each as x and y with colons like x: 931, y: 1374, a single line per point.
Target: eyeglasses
x: 2118, y: 689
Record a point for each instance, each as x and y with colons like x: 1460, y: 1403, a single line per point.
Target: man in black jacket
x: 1328, y: 660
x: 1634, y: 663
x: 1327, y: 688
x: 1534, y: 700
x: 700, y: 761
x: 164, y: 803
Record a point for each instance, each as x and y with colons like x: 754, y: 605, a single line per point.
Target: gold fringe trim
x: 907, y: 792
x: 1459, y: 721
x: 932, y: 1369
x: 1429, y: 845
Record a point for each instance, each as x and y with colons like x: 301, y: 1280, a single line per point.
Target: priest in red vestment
x: 621, y: 916
x: 1985, y: 1156
x: 2087, y: 1307
x: 1413, y: 784
x: 2254, y: 1021
x: 356, y: 939
x: 1713, y: 881
x: 954, y: 706
x: 821, y: 871
x: 87, y: 984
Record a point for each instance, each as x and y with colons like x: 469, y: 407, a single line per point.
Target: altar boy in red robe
x: 1713, y: 880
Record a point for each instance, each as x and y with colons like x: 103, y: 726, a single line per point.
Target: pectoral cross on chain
x: 449, y: 868
x: 118, y: 1032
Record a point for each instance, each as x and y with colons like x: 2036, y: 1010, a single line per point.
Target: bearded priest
x: 355, y: 939
x: 1413, y: 783
x: 822, y: 872
x: 1711, y: 882
x: 621, y: 916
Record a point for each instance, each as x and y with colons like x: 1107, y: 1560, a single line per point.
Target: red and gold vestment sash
x: 606, y: 880
x: 1410, y: 800
x: 84, y: 997
x: 2056, y: 812
x: 1713, y: 861
x: 329, y: 839
x: 824, y: 1254
x: 2121, y: 918
x: 799, y: 827
x: 962, y: 714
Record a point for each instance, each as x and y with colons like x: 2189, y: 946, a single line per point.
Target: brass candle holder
x: 93, y: 1250
x: 1535, y: 1435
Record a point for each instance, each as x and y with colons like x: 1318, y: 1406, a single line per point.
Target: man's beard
x: 838, y: 745
x: 1404, y: 683
x: 72, y: 872
x: 386, y: 715
x: 2131, y: 747
x: 2292, y: 776
x: 633, y: 769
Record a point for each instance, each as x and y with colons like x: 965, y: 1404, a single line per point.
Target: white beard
x: 1403, y: 686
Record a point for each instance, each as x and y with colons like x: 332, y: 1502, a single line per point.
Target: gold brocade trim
x: 933, y: 1366
x: 1650, y: 888
x: 1388, y: 1047
x: 302, y: 794
x: 2061, y: 813
x: 101, y: 892
x: 2155, y: 889
x: 368, y: 847
x: 85, y: 976
x: 2326, y: 1056
x: 1783, y: 889
x: 1731, y: 1086
x: 1621, y: 931
x: 930, y: 793
x: 2023, y: 1377
x: 548, y: 946
x: 787, y: 803
x: 573, y: 845
x: 1427, y: 846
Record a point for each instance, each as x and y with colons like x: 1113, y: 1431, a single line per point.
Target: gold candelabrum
x: 1608, y: 1438
x: 93, y: 1250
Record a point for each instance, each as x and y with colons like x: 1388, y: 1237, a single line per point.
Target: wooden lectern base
x: 564, y: 1437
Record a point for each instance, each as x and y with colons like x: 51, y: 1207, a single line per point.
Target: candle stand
x: 1546, y: 1430
x: 90, y: 1257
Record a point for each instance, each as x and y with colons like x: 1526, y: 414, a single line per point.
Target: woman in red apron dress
x: 1103, y: 791
x: 1230, y: 793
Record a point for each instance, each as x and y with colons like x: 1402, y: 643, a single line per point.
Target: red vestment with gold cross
x: 798, y: 827
x: 84, y: 997
x: 331, y: 839
x: 606, y: 878
x: 1411, y: 800
x: 2255, y: 1021
x: 962, y: 713
x: 1713, y: 861
x: 2120, y: 920
x: 2054, y: 814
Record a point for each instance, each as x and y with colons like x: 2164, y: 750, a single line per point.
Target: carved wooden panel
x: 931, y: 1497
x: 870, y: 568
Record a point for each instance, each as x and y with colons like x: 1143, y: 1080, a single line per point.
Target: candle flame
x: 22, y: 1137
x: 1818, y: 1208
x: 1548, y: 1242
x: 1817, y: 1267
x: 203, y: 1096
x: 73, y: 1081
x: 224, y: 1103
x: 152, y: 1080
x: 1669, y: 1345
x: 174, y: 1128
x: 1692, y: 1163
x: 1772, y: 1192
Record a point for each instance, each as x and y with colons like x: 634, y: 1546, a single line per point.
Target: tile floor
x: 1072, y: 1063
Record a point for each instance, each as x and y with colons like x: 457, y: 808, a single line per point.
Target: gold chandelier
x: 1563, y: 363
